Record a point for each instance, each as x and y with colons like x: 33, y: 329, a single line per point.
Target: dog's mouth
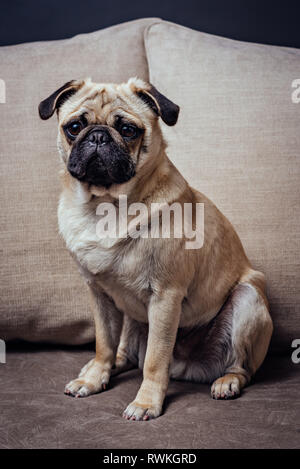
x: 102, y: 166
x: 99, y: 174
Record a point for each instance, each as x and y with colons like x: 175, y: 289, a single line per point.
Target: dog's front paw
x: 137, y: 411
x: 93, y: 378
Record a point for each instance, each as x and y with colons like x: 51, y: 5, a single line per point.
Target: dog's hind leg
x: 251, y: 332
x: 228, y: 350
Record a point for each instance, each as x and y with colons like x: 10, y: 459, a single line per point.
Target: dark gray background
x: 265, y: 21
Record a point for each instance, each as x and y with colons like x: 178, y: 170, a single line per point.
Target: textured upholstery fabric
x: 42, y: 295
x: 238, y: 141
x: 36, y: 414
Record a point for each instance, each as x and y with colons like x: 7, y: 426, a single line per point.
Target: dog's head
x: 108, y: 131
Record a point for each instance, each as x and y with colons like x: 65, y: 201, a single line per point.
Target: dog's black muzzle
x: 98, y: 159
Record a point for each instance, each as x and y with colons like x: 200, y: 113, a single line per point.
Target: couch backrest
x: 237, y: 140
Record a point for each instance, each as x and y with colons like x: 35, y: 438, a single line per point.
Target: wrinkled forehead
x: 100, y: 102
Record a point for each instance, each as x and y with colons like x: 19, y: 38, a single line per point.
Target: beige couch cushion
x: 238, y: 141
x: 42, y: 295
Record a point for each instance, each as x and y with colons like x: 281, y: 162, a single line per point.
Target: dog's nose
x: 99, y: 137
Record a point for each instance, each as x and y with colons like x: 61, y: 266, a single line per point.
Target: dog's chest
x: 122, y: 269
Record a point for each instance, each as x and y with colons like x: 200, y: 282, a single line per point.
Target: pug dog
x: 188, y: 314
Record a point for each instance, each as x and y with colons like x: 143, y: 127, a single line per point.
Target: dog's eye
x: 74, y: 128
x: 128, y: 131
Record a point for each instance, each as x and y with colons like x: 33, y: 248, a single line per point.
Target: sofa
x: 237, y: 140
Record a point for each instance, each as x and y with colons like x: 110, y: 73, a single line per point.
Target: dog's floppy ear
x: 56, y: 99
x: 161, y: 105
